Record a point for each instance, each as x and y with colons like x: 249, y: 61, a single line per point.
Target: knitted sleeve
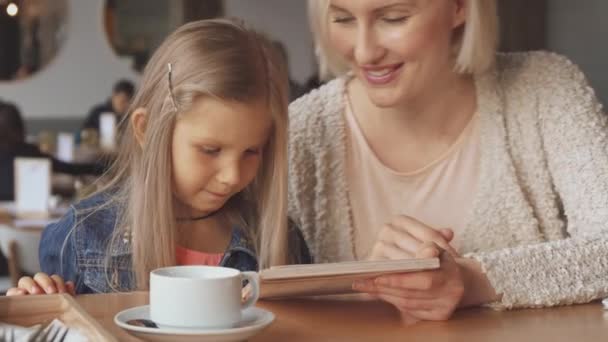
x: 574, y: 129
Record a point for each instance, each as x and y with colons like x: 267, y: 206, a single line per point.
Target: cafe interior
x: 69, y: 68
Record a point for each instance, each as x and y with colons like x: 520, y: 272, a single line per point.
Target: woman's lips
x: 381, y: 75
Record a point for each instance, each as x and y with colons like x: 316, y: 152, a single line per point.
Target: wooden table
x: 316, y: 320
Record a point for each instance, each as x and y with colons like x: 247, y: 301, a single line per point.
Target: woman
x: 429, y: 141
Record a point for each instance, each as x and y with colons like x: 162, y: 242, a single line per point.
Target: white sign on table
x: 65, y: 147
x: 107, y: 131
x: 32, y: 186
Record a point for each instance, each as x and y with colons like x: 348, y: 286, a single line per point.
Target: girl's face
x: 397, y: 49
x: 216, y: 152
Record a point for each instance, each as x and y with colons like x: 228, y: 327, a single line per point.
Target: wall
x: 285, y: 20
x: 81, y: 75
x: 85, y: 69
x: 578, y: 29
x: 83, y: 72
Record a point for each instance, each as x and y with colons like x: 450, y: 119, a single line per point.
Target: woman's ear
x: 138, y: 124
x: 461, y: 8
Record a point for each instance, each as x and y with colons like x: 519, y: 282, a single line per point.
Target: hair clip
x: 170, y: 76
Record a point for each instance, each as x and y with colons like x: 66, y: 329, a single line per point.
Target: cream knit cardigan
x: 539, y: 220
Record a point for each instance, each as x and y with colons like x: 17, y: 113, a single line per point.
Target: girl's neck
x: 210, y: 235
x: 442, y: 112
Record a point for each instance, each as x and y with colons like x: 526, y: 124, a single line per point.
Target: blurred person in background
x: 118, y: 103
x: 13, y: 145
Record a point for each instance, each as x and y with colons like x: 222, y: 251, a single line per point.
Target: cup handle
x: 254, y: 281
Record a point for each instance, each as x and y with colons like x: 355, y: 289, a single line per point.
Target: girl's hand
x: 42, y: 283
x: 404, y: 236
x: 426, y: 295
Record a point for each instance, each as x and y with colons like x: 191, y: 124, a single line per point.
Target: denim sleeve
x: 57, y: 254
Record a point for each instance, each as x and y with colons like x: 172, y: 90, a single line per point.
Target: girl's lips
x: 381, y: 75
x: 218, y: 195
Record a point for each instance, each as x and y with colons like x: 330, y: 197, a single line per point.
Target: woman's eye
x: 395, y: 20
x: 342, y: 19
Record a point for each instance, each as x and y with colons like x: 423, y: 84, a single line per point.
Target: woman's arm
x: 575, y: 135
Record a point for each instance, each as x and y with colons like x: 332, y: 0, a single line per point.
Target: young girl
x: 201, y: 167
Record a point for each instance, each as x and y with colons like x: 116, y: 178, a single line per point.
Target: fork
x: 8, y: 335
x: 61, y: 337
x: 49, y: 333
x: 41, y: 334
x: 45, y: 332
x: 55, y: 337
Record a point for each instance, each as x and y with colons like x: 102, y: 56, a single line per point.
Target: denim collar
x: 239, y: 242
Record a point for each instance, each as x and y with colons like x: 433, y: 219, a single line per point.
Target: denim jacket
x: 78, y: 252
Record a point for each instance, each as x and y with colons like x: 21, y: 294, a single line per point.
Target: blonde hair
x: 475, y: 44
x: 222, y: 59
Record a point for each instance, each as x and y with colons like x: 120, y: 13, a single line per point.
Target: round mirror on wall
x: 31, y: 34
x: 135, y: 28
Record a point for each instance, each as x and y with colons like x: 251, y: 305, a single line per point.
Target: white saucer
x: 254, y: 320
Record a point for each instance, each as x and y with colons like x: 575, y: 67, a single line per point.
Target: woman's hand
x: 404, y: 236
x: 42, y: 283
x: 426, y: 295
x: 433, y: 295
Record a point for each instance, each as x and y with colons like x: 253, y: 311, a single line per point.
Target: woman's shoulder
x: 316, y: 118
x: 318, y: 106
x: 539, y: 69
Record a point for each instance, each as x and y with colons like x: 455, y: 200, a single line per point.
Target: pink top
x: 439, y: 194
x: 185, y: 256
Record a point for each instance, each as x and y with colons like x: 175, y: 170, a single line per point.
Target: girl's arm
x: 57, y: 251
x: 58, y: 269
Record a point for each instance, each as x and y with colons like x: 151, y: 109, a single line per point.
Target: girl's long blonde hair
x: 222, y: 59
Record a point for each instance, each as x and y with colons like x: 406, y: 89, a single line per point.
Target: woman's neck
x: 410, y: 136
x: 437, y: 114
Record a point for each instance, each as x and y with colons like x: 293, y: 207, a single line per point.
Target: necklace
x: 197, y: 218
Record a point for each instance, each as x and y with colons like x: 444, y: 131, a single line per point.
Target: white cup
x: 199, y: 296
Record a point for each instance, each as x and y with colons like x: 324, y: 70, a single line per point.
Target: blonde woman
x: 429, y: 143
x: 201, y: 175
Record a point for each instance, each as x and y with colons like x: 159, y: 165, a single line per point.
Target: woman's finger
x: 423, y: 232
x: 447, y: 233
x: 373, y: 290
x: 429, y: 250
x: 400, y: 238
x: 408, y: 304
x: 421, y: 309
x: 421, y: 281
x: 393, y: 252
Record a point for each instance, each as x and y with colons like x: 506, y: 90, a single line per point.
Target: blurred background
x: 60, y: 57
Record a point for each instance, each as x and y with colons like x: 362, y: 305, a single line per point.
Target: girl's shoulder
x: 98, y: 212
x: 88, y: 224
